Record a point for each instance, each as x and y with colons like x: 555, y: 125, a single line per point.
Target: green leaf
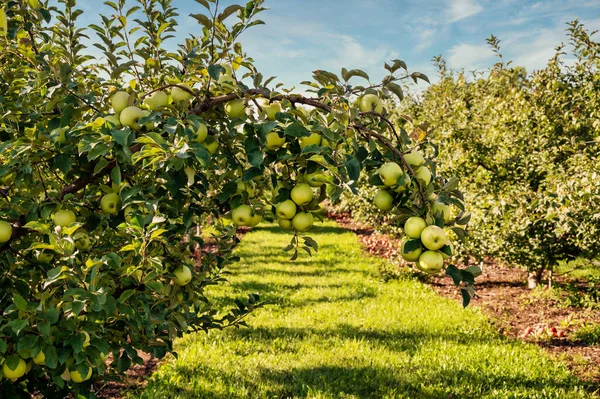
x: 123, y: 137
x: 19, y: 302
x: 115, y: 175
x: 466, y: 297
x: 102, y: 163
x: 63, y: 163
x: 228, y: 11
x: 347, y: 75
x: 395, y: 66
x: 253, y: 151
x: 215, y: 71
x: 296, y: 130
x: 17, y: 325
x: 419, y: 75
x: 455, y: 273
x: 353, y: 167
x: 203, y: 19
x: 396, y: 89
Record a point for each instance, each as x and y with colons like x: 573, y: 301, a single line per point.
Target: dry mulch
x: 503, y: 295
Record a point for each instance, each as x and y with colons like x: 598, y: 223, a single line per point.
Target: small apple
x: 424, y: 174
x: 433, y: 237
x: 77, y: 378
x: 112, y: 119
x: 44, y: 256
x: 211, y: 145
x: 316, y: 179
x: 302, y: 194
x: 286, y: 209
x: 389, y: 173
x: 274, y: 141
x: 156, y: 100
x: 201, y: 133
x: 5, y: 231
x: 82, y: 240
x: 183, y: 275
x: 314, y: 138
x: 414, y: 226
x: 64, y: 217
x: 383, y: 200
x: 405, y: 186
x: 302, y: 221
x: 440, y: 209
x: 285, y: 224
x: 474, y: 270
x: 414, y: 159
x: 119, y: 101
x: 179, y: 95
x: 271, y: 110
x: 40, y: 359
x: 18, y: 372
x: 413, y: 255
x: 235, y: 108
x: 431, y: 262
x: 447, y: 250
x: 130, y: 115
x: 371, y: 102
x: 227, y: 83
x: 255, y: 220
x: 242, y: 215
x: 111, y: 203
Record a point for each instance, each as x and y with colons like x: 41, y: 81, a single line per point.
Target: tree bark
x: 535, y: 277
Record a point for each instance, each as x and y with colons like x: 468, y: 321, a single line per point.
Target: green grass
x: 335, y: 330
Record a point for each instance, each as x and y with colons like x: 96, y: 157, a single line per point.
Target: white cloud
x: 469, y: 56
x: 461, y: 9
x: 426, y: 39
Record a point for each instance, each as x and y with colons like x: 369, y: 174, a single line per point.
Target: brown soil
x: 503, y: 295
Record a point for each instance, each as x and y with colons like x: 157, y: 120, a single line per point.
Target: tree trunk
x: 534, y: 278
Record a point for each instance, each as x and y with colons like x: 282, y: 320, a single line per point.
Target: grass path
x: 336, y: 330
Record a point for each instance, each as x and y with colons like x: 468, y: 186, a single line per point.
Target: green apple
x: 44, y: 256
x: 302, y: 221
x: 130, y: 115
x: 110, y: 203
x: 447, y: 250
x: 227, y: 83
x: 112, y: 119
x: 413, y: 255
x: 383, y: 200
x: 271, y: 110
x: 201, y: 133
x: 119, y: 101
x: 235, y: 108
x: 440, y: 209
x: 389, y: 173
x: 371, y: 102
x: 242, y: 215
x: 183, y: 275
x: 178, y: 94
x: 82, y: 240
x: 285, y: 224
x: 433, y: 237
x: 424, y: 174
x: 286, y: 209
x: 5, y: 231
x: 255, y: 220
x: 190, y: 173
x: 64, y: 217
x: 316, y: 179
x: 211, y: 145
x: 15, y: 373
x: 405, y: 186
x: 77, y: 378
x: 474, y: 270
x: 414, y: 226
x: 414, y: 159
x: 302, y: 194
x: 274, y: 141
x: 156, y: 100
x: 431, y: 262
x: 314, y: 138
x: 40, y: 359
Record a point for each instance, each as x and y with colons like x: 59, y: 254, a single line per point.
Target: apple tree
x: 525, y: 148
x: 109, y: 163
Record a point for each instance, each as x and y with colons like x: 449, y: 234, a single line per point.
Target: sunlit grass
x: 335, y: 330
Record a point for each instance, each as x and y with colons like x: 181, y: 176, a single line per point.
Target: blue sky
x: 303, y: 35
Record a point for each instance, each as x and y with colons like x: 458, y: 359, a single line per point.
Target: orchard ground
x: 334, y: 330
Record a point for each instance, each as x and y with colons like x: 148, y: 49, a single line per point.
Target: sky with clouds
x: 303, y: 35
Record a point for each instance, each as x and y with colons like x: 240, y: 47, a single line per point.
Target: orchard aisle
x: 335, y: 330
